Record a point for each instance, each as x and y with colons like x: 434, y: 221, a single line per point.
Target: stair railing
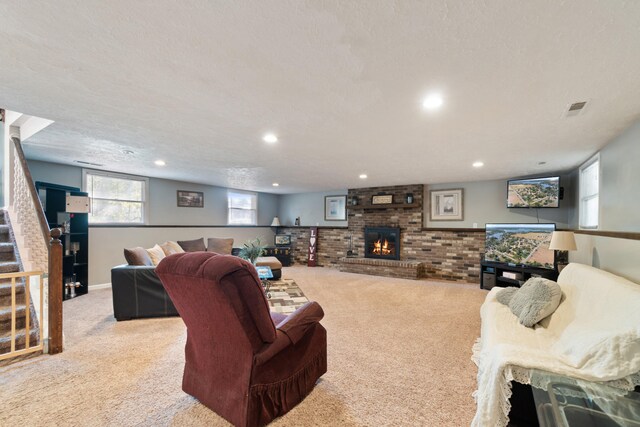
x: 44, y: 246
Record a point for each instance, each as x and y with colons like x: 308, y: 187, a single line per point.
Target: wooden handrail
x: 42, y: 219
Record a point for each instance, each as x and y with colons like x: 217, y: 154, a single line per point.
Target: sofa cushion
x: 171, y: 248
x: 156, y: 254
x: 535, y: 300
x: 137, y: 256
x: 221, y: 246
x: 193, y: 245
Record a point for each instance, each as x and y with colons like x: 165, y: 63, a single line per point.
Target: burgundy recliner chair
x: 243, y: 362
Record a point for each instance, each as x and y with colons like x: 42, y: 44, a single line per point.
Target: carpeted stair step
x: 5, y: 287
x: 7, y: 252
x: 5, y: 318
x: 5, y: 339
x: 5, y: 235
x: 2, y: 217
x: 5, y: 293
x: 9, y: 267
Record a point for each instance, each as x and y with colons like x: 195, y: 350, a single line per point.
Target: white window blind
x: 589, y: 193
x: 115, y: 198
x: 243, y: 208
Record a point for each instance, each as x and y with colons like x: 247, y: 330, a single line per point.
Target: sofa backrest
x: 598, y: 319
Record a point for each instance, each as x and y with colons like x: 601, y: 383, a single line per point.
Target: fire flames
x: 382, y: 247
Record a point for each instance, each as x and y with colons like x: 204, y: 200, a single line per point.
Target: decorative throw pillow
x: 504, y: 295
x: 221, y: 246
x: 535, y: 300
x: 171, y: 248
x: 137, y: 256
x: 156, y: 254
x: 193, y: 245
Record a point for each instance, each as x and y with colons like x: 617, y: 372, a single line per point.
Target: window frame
x: 251, y: 193
x: 581, y: 198
x: 145, y: 194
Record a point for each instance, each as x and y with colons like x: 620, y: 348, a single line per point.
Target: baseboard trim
x: 100, y: 286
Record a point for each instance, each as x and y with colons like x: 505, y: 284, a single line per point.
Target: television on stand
x: 524, y: 245
x: 534, y: 192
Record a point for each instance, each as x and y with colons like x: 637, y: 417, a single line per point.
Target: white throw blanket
x: 593, y: 335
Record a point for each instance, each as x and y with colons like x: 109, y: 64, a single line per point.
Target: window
x: 243, y: 208
x: 589, y: 189
x: 116, y: 198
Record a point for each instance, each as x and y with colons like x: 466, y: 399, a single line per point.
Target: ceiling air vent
x: 575, y: 109
x: 88, y: 163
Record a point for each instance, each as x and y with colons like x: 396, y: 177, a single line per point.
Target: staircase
x: 10, y: 263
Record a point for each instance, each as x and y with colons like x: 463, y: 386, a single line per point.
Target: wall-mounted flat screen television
x: 534, y: 192
x: 520, y: 244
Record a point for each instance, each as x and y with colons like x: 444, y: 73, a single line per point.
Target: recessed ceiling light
x: 432, y: 102
x: 478, y: 164
x: 160, y: 162
x: 542, y: 163
x: 270, y: 138
x: 275, y: 184
x: 127, y: 152
x: 363, y: 176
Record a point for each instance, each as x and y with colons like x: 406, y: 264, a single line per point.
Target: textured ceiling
x: 197, y: 83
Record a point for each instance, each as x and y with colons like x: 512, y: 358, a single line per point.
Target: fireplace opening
x: 382, y: 242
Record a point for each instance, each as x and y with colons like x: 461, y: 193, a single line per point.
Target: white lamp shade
x: 275, y: 222
x: 563, y: 241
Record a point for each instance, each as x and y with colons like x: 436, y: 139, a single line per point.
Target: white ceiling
x: 197, y: 83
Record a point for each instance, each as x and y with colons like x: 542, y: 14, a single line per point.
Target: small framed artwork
x: 446, y: 205
x: 190, y: 199
x: 383, y: 199
x: 283, y: 239
x: 335, y: 208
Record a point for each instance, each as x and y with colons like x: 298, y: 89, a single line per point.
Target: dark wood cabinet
x: 283, y: 253
x: 499, y: 274
x: 75, y: 240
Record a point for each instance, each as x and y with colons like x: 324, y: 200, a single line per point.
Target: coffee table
x: 569, y: 402
x: 265, y: 273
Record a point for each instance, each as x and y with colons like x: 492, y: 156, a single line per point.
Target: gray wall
x: 106, y: 244
x: 163, y: 209
x: 55, y: 173
x: 619, y: 209
x: 619, y: 185
x: 486, y: 202
x: 309, y: 207
x: 618, y: 256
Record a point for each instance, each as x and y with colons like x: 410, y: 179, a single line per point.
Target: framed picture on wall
x: 446, y: 205
x: 335, y: 208
x: 190, y: 199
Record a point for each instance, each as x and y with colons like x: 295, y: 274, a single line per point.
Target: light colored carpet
x: 399, y: 355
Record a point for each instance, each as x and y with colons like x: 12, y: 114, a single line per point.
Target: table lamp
x: 275, y: 222
x: 563, y: 241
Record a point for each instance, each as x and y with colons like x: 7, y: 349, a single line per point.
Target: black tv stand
x: 493, y: 274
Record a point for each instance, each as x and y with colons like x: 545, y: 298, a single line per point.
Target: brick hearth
x: 383, y: 267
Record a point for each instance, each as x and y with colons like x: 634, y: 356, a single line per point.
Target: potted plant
x: 251, y: 250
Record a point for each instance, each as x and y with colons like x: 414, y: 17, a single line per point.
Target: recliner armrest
x: 291, y: 330
x: 297, y: 323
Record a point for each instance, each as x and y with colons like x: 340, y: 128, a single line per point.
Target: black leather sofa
x: 137, y: 292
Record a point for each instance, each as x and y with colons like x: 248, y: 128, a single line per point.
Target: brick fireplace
x: 445, y: 254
